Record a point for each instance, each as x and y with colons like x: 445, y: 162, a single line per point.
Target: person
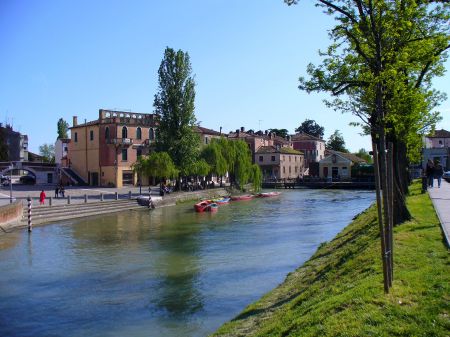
x: 56, y: 191
x: 429, y: 171
x: 438, y: 171
x: 61, y: 190
x: 42, y: 197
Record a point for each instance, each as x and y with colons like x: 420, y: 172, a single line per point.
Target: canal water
x: 169, y: 272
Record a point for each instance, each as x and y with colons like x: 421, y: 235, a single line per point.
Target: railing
x: 120, y: 141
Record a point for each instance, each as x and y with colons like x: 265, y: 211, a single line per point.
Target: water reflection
x: 169, y: 272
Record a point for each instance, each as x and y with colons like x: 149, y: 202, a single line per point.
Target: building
x: 437, y: 148
x: 279, y: 162
x: 313, y: 148
x: 102, y: 152
x: 16, y: 143
x: 337, y: 165
x: 206, y: 135
x: 61, y: 152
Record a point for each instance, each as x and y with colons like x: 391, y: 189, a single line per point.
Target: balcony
x: 120, y: 141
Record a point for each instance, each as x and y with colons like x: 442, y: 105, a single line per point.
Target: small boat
x: 212, y: 207
x: 242, y: 197
x: 202, y: 206
x: 221, y: 201
x: 268, y: 194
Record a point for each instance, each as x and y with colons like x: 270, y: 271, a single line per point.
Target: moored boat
x: 221, y: 201
x: 268, y: 194
x: 242, y: 197
x: 202, y: 206
x: 212, y: 207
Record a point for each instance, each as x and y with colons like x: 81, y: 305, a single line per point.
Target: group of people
x: 59, y: 191
x: 433, y: 171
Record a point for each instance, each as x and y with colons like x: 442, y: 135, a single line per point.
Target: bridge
x: 44, y: 173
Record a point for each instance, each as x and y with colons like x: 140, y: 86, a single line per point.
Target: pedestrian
x: 42, y: 197
x: 438, y: 172
x: 56, y: 191
x: 429, y: 171
x: 61, y: 190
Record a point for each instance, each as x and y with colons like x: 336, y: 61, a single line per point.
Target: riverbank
x: 339, y: 291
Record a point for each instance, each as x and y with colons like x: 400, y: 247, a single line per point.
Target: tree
x: 47, y: 151
x: 363, y: 154
x: 63, y: 128
x: 212, y: 154
x: 174, y: 102
x: 280, y: 132
x: 336, y: 142
x: 4, y: 156
x: 310, y: 127
x: 159, y: 165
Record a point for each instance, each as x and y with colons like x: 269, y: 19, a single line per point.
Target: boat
x: 212, y: 207
x: 221, y: 201
x: 267, y: 194
x: 202, y: 206
x: 242, y: 197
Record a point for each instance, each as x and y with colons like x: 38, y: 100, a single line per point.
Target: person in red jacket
x: 42, y: 197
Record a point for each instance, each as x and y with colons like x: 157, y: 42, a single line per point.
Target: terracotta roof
x: 305, y: 136
x: 273, y: 149
x: 440, y: 134
x: 206, y: 131
x: 349, y: 156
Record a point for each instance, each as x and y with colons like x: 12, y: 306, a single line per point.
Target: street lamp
x: 10, y: 183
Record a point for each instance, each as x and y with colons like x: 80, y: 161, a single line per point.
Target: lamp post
x: 10, y: 184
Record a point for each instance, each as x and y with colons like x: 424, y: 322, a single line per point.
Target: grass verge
x: 339, y: 291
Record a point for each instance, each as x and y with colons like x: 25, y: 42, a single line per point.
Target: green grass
x: 339, y: 291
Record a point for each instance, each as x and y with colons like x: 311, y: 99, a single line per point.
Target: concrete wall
x: 11, y: 214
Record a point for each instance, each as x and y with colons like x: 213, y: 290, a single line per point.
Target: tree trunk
x: 401, y: 183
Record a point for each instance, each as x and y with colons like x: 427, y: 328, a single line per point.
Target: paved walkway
x: 441, y: 201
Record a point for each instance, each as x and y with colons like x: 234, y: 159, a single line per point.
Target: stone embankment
x: 59, y: 212
x: 10, y: 215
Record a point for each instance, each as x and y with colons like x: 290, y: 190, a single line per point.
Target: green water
x: 169, y: 272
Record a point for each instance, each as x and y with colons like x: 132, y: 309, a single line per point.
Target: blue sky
x: 66, y: 58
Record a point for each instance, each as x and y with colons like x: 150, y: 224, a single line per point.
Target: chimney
x: 266, y: 132
x: 220, y: 130
x: 242, y: 129
x: 75, y: 121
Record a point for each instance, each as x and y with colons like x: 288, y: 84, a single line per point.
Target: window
x: 151, y: 134
x: 75, y: 137
x: 124, y: 155
x: 65, y: 149
x: 261, y: 158
x: 206, y: 140
x: 91, y: 135
x: 138, y: 133
x: 289, y: 169
x: 138, y: 152
x: 107, y: 133
x: 284, y: 169
x: 124, y: 132
x: 440, y: 142
x: 289, y: 158
x: 273, y: 158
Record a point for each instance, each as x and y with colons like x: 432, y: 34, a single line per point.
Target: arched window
x: 151, y: 134
x: 107, y: 133
x: 124, y: 132
x: 138, y: 133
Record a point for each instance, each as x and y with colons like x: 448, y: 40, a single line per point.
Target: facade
x: 337, y: 165
x: 206, y: 135
x: 279, y: 162
x: 103, y: 151
x: 16, y: 143
x: 61, y: 152
x: 312, y: 147
x: 437, y: 147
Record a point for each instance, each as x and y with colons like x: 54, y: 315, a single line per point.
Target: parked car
x: 446, y: 176
x: 28, y: 180
x: 4, y: 180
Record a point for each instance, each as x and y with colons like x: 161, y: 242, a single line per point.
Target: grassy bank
x: 339, y: 291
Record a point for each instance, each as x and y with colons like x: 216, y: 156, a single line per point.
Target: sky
x: 60, y: 59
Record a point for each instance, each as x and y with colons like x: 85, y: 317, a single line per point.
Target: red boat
x: 202, y: 206
x: 242, y: 197
x: 213, y: 207
x: 268, y: 194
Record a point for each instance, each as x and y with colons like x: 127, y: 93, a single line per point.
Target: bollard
x: 129, y: 194
x: 117, y: 196
x: 101, y: 196
x: 68, y: 200
x: 49, y: 201
x: 30, y: 225
x: 85, y: 198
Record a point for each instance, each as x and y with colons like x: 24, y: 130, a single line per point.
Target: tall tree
x: 280, y: 132
x: 336, y: 142
x: 174, y: 102
x: 4, y: 156
x: 363, y: 154
x: 47, y: 151
x: 310, y: 127
x: 63, y: 128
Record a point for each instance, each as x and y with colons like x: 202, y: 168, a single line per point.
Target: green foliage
x: 256, y: 177
x: 47, y: 151
x: 200, y: 168
x: 157, y: 164
x: 3, y: 146
x: 174, y: 102
x: 213, y: 155
x: 63, y: 128
x: 243, y: 163
x: 280, y: 132
x: 339, y: 291
x: 362, y: 170
x: 363, y: 154
x: 336, y: 142
x: 310, y: 127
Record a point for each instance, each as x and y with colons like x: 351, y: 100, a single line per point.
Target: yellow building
x: 103, y: 151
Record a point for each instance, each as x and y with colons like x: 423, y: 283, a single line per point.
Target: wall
x: 11, y: 214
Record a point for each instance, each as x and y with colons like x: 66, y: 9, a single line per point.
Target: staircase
x: 47, y: 214
x: 73, y: 176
